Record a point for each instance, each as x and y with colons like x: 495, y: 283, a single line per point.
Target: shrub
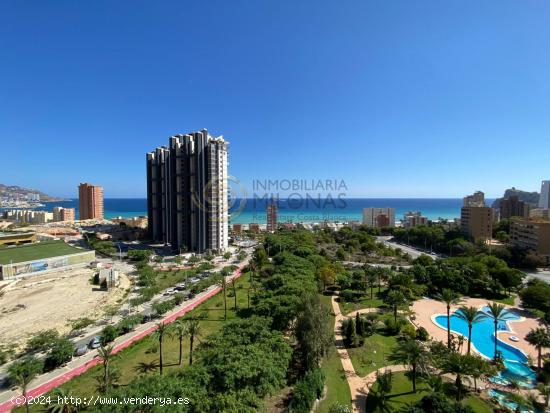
x: 422, y: 334
x: 393, y: 327
x: 307, y: 390
x: 108, y: 334
x: 408, y: 331
x: 339, y: 408
x: 60, y: 353
x: 348, y: 295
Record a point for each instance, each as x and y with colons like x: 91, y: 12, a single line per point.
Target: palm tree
x: 193, y: 331
x: 449, y: 297
x: 539, y: 338
x: 496, y: 311
x: 395, y: 299
x: 545, y: 392
x: 472, y: 316
x: 106, y: 355
x: 23, y: 372
x: 63, y: 402
x: 180, y: 331
x: 412, y: 354
x: 251, y: 287
x: 234, y: 292
x: 161, y: 331
x: 371, y: 282
x: 222, y: 283
x: 459, y: 365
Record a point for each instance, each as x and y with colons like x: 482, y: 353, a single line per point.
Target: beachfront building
x: 514, y: 207
x: 187, y: 193
x: 63, y: 214
x: 476, y: 219
x: 28, y: 216
x: 414, y: 219
x: 379, y: 217
x: 544, y: 200
x: 271, y: 217
x: 90, y: 199
x: 533, y: 235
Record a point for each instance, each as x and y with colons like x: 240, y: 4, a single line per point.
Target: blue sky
x: 396, y: 98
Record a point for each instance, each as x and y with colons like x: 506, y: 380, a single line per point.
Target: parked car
x: 81, y: 350
x: 95, y: 342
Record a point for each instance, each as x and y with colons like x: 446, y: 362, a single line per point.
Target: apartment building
x: 544, y: 200
x: 414, y: 219
x: 476, y: 219
x: 533, y: 235
x: 271, y: 217
x: 379, y: 217
x: 90, y: 201
x: 513, y: 207
x: 187, y: 193
x: 63, y: 214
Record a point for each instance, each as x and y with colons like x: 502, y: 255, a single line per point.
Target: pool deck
x: 426, y: 308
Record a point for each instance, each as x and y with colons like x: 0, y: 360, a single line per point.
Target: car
x: 95, y: 342
x: 81, y: 350
x: 179, y: 288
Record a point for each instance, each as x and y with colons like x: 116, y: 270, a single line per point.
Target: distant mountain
x: 14, y: 190
x: 529, y: 197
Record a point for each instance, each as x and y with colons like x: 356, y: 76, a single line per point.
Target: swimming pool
x: 503, y: 400
x: 483, y: 340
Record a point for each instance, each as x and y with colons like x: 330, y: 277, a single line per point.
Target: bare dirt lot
x: 50, y: 301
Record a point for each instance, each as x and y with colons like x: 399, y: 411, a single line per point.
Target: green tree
x: 472, y: 316
x: 60, y: 353
x: 449, y: 297
x: 395, y: 299
x: 21, y: 373
x: 496, y: 312
x: 313, y: 332
x: 460, y: 366
x: 539, y: 338
x: 222, y: 283
x: 413, y: 354
x: 179, y: 328
x: 106, y: 355
x: 42, y: 341
x: 193, y: 331
x: 162, y: 330
x: 227, y: 255
x: 64, y: 402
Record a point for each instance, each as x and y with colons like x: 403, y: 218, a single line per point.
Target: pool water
x: 483, y: 340
x: 503, y: 400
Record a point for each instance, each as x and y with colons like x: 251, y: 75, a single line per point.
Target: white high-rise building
x: 187, y: 193
x: 379, y: 217
x: 544, y: 200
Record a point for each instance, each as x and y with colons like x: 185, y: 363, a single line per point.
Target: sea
x: 307, y: 210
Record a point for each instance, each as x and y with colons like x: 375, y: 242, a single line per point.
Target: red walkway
x: 63, y: 378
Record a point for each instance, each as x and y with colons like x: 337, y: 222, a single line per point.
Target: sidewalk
x: 75, y: 367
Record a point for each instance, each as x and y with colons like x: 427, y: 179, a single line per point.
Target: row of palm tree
x: 539, y: 337
x: 181, y: 328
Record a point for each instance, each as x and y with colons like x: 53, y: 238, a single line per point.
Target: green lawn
x: 365, y: 302
x: 402, y: 395
x: 373, y: 354
x: 335, y: 380
x: 142, y: 357
x: 36, y: 251
x: 166, y: 279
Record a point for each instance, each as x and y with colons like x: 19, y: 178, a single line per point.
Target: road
x: 78, y: 365
x: 413, y: 252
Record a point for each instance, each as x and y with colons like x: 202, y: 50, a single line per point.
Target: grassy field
x: 142, y: 357
x: 365, y: 302
x: 36, y: 251
x: 373, y: 354
x: 336, y: 383
x: 402, y: 395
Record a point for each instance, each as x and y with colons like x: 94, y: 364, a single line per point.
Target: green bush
x: 408, y: 331
x: 108, y: 334
x: 307, y: 390
x: 60, y: 353
x: 422, y: 334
